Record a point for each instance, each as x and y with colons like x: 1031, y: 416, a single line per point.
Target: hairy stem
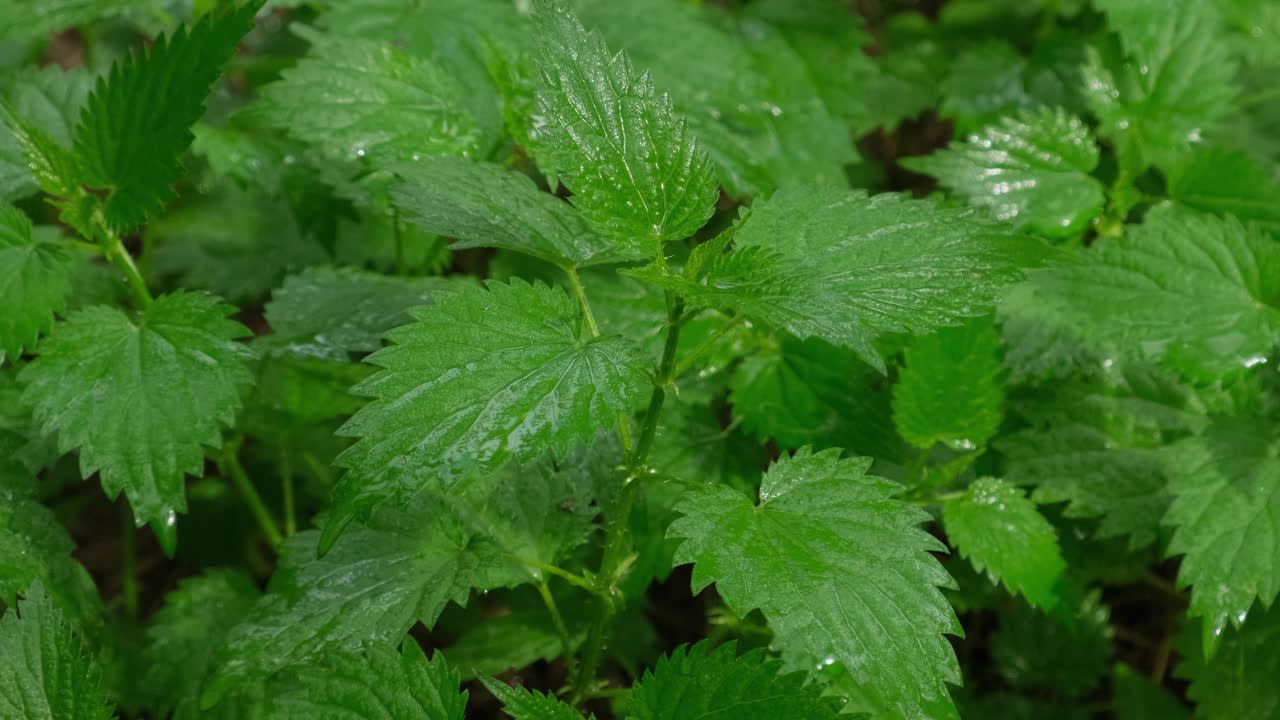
x: 115, y: 252
x: 624, y: 425
x: 566, y: 642
x: 398, y: 233
x: 286, y: 489
x: 129, y: 560
x: 686, y: 363
x: 612, y: 562
x: 569, y: 577
x: 231, y: 466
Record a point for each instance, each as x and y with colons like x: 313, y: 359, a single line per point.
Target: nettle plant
x: 613, y: 375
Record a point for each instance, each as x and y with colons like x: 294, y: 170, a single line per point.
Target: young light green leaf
x: 485, y: 205
x: 140, y: 397
x: 375, y: 683
x: 137, y: 123
x: 839, y: 568
x: 1128, y: 292
x: 636, y: 171
x: 1226, y: 514
x: 359, y: 99
x: 46, y: 672
x: 34, y: 283
x: 1174, y: 83
x: 482, y: 376
x: 1032, y: 169
x: 50, y: 99
x: 1001, y: 532
x: 329, y: 313
x: 830, y: 263
x: 951, y: 390
x: 1239, y: 680
x: 703, y: 682
x: 191, y: 627
x: 522, y: 704
x: 1227, y: 183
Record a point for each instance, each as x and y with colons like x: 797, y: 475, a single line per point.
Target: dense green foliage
x: 659, y: 359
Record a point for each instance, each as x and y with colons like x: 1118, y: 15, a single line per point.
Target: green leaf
x: 1138, y: 698
x: 35, y: 548
x: 812, y: 393
x: 234, y: 243
x: 184, y: 634
x: 704, y: 682
x: 1043, y: 343
x: 358, y: 99
x: 744, y: 91
x: 39, y: 19
x: 522, y: 704
x: 1174, y: 82
x: 839, y: 568
x: 1127, y: 292
x: 48, y: 98
x: 34, y: 283
x: 330, y: 313
x: 951, y: 390
x: 482, y: 376
x: 1239, y: 681
x: 1095, y: 445
x: 378, y: 682
x: 140, y: 397
x: 1064, y: 652
x: 137, y: 123
x: 484, y: 205
x: 830, y: 263
x: 516, y: 639
x: 1079, y: 464
x: 406, y: 563
x: 1226, y: 514
x: 1001, y: 532
x: 46, y: 672
x: 54, y: 167
x: 636, y: 171
x: 1032, y: 169
x: 1227, y: 183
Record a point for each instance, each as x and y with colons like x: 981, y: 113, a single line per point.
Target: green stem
x: 86, y: 246
x: 569, y: 577
x: 624, y: 425
x: 231, y: 466
x: 286, y: 489
x: 612, y: 562
x: 566, y: 642
x: 686, y: 363
x: 398, y: 233
x: 579, y: 292
x: 119, y: 257
x: 129, y: 560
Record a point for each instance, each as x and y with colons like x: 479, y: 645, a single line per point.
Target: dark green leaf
x: 483, y: 375
x: 635, y: 169
x: 839, y: 568
x: 140, y: 397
